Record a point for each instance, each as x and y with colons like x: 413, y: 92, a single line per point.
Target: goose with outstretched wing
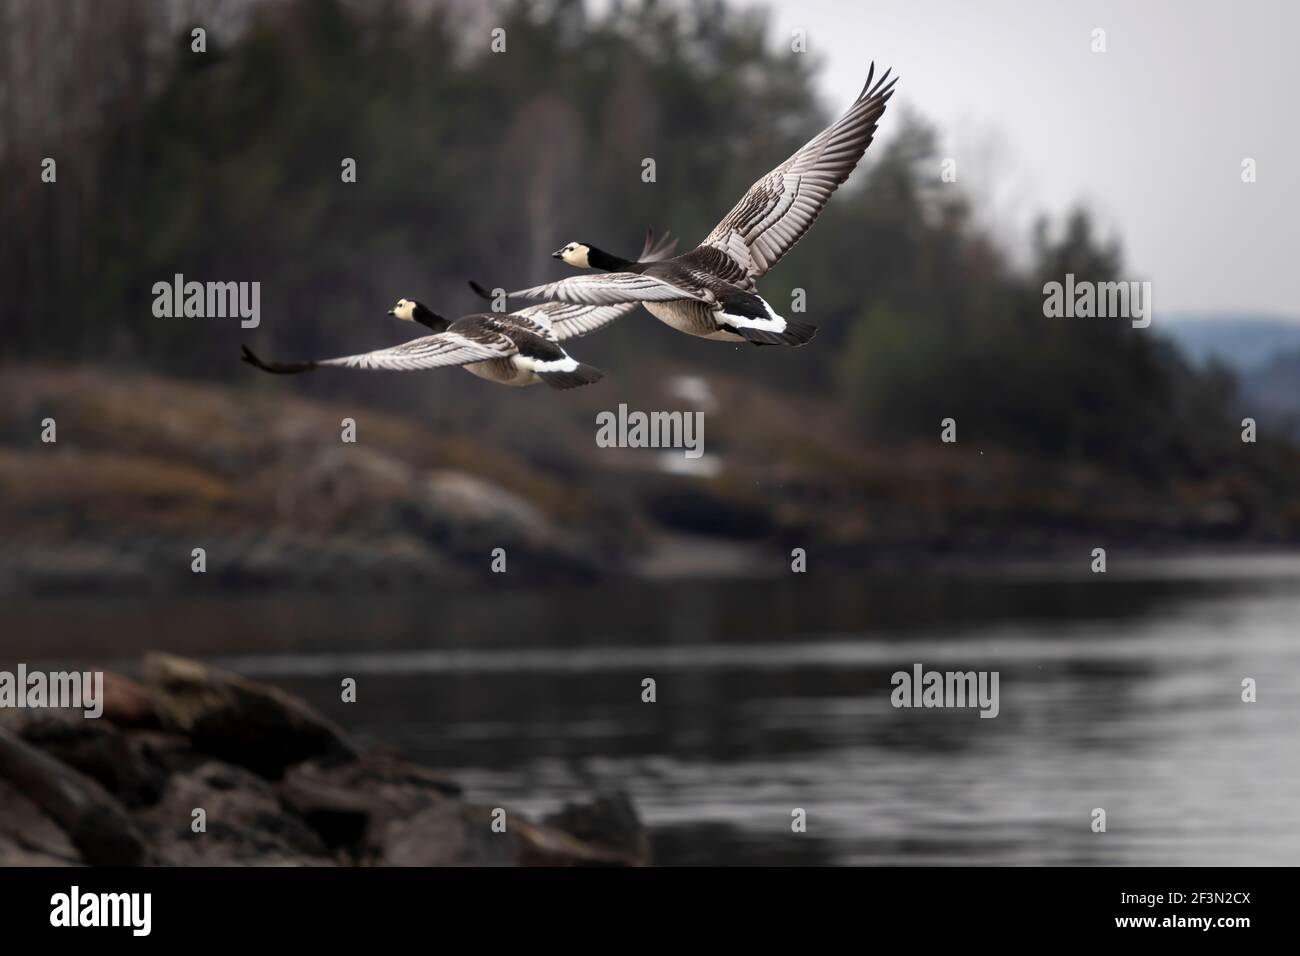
x: 515, y: 348
x: 709, y: 291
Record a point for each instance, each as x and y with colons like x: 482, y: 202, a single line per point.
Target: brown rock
x: 238, y: 720
x: 126, y: 769
x: 546, y: 846
x: 610, y: 821
x: 245, y: 823
x: 96, y: 823
x: 30, y: 838
x: 434, y: 835
x: 128, y: 704
x: 388, y: 812
x: 380, y: 810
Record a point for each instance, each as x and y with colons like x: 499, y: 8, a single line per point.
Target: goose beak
x: 390, y: 311
x: 557, y: 254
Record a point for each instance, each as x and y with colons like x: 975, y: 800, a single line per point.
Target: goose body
x: 710, y: 291
x: 701, y: 293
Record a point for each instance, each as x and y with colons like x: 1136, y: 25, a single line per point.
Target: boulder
x: 478, y: 511
x: 468, y: 517
x: 30, y: 838
x: 128, y: 704
x: 244, y: 821
x: 381, y: 810
x: 434, y: 835
x: 546, y: 846
x: 238, y: 720
x: 96, y: 824
x: 611, y: 821
x: 127, y: 769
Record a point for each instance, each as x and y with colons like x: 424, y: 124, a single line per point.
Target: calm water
x: 1121, y: 692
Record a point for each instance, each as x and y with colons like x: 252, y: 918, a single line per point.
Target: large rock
x: 435, y: 835
x: 238, y: 720
x: 128, y: 704
x: 468, y: 517
x: 547, y: 846
x: 390, y: 813
x: 611, y: 821
x: 126, y: 768
x: 95, y: 823
x: 244, y: 821
x: 381, y: 810
x: 30, y: 838
x: 479, y: 511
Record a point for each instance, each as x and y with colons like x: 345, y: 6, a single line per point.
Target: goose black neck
x: 600, y: 259
x: 429, y: 318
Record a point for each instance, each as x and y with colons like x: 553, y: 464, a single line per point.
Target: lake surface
x: 1119, y: 691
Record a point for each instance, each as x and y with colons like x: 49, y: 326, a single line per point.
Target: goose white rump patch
x: 773, y: 323
x: 565, y: 364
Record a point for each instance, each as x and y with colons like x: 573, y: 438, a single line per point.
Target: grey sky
x: 1150, y: 134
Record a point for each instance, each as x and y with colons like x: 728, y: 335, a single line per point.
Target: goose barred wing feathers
x: 431, y: 351
x: 780, y: 207
x: 606, y: 288
x: 566, y: 320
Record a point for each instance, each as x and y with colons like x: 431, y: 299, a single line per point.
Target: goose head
x: 408, y: 310
x: 575, y: 254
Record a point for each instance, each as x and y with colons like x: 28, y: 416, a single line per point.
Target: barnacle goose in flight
x: 515, y: 348
x: 709, y: 291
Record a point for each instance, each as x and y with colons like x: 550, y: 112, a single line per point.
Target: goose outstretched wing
x: 567, y: 320
x: 780, y: 207
x: 431, y: 351
x: 607, y: 288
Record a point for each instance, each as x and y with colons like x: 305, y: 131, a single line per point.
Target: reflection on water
x: 1122, y: 692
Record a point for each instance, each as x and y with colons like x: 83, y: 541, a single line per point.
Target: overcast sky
x: 1150, y: 134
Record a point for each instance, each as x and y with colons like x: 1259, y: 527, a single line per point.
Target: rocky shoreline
x: 194, y: 766
x: 157, y: 485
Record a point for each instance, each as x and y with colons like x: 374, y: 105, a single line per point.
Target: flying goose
x: 709, y: 291
x: 515, y: 348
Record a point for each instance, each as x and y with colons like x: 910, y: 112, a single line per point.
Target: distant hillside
x: 1275, y: 385
x: 1242, y: 341
x: 1262, y: 350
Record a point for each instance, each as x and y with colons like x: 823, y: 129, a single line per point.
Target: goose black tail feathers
x: 795, y: 334
x: 276, y: 368
x: 749, y: 316
x: 582, y: 375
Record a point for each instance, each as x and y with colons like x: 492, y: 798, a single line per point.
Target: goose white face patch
x: 575, y: 254
x: 405, y: 310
